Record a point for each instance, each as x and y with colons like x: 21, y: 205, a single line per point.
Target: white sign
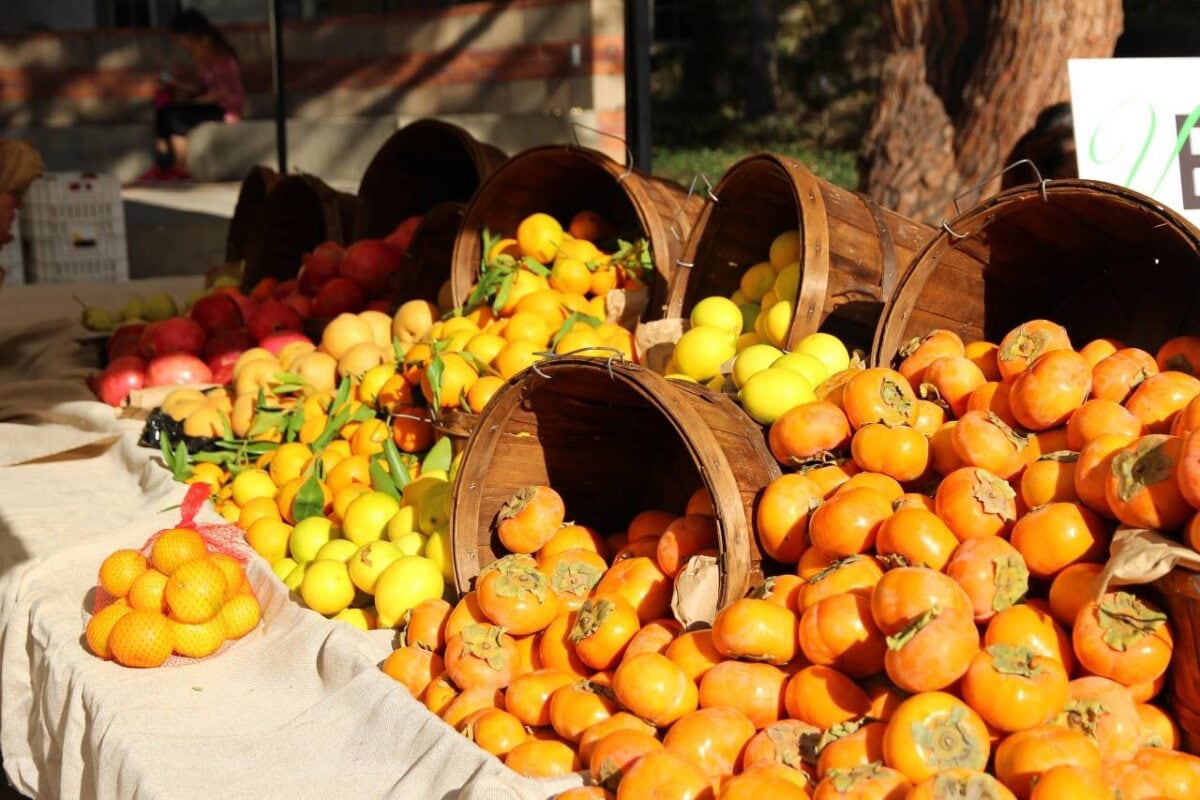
x: 1136, y: 126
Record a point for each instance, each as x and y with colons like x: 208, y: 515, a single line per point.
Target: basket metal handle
x: 617, y: 356
x: 958, y: 197
x: 575, y: 126
x: 674, y: 226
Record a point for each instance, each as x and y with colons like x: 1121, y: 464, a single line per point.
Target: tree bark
x: 760, y: 58
x: 962, y: 82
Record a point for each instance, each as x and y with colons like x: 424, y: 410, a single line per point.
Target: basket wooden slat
x: 299, y: 213
x: 423, y: 164
x: 563, y: 180
x: 245, y: 226
x: 427, y: 260
x: 852, y: 251
x: 613, y: 439
x: 1179, y: 591
x: 1100, y: 259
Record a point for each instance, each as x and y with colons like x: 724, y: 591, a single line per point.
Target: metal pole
x: 637, y: 81
x: 275, y: 12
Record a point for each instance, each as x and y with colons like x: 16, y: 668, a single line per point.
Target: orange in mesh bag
x: 183, y: 596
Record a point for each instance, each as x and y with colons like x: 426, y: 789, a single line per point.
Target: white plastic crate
x: 10, y: 256
x: 74, y: 229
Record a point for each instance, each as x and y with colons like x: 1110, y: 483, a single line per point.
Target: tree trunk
x: 760, y: 58
x: 963, y: 81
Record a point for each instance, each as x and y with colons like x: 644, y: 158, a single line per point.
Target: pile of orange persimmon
x: 932, y: 629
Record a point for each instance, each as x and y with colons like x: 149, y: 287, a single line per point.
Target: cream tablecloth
x: 297, y: 709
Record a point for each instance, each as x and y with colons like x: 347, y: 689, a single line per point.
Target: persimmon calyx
x: 591, y: 616
x: 825, y: 572
x: 577, y: 578
x: 1125, y: 620
x: 484, y: 642
x: 841, y: 730
x: 1017, y: 440
x: 845, y: 779
x: 1083, y: 716
x: 971, y: 787
x: 1011, y: 581
x: 946, y: 742
x: 1061, y: 456
x: 517, y: 503
x: 893, y: 396
x: 1147, y: 464
x: 1008, y: 659
x: 522, y: 582
x: 994, y: 495
x: 897, y: 641
x: 794, y: 748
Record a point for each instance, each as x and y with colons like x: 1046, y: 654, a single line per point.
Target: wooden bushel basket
x: 1179, y: 591
x: 427, y: 261
x: 613, y: 439
x: 421, y: 165
x: 300, y: 212
x: 245, y: 228
x: 562, y: 180
x: 1102, y: 260
x: 852, y: 250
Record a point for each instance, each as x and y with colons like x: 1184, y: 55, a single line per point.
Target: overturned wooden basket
x: 613, y: 439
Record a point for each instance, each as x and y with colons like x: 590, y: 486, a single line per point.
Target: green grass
x: 683, y: 163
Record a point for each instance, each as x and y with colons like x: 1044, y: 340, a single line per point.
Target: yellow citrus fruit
x: 457, y: 378
x: 256, y: 509
x: 757, y: 281
x: 211, y: 474
x: 787, y: 283
x: 604, y: 280
x: 579, y: 341
x: 480, y: 393
x: 778, y: 322
x: 343, y: 499
x: 362, y: 618
x: 539, y: 237
x: 701, y: 351
x: 546, y: 304
x: 195, y: 591
x: 240, y: 615
x: 354, y: 469
x: 326, y: 587
x: 327, y: 458
x: 141, y: 639
x: 367, y: 516
x: 120, y: 570
x: 288, y: 462
x: 528, y: 326
x: 229, y: 511
x: 524, y: 283
x: 235, y: 573
x: 338, y: 550
x: 571, y: 275
x: 100, y: 626
x: 269, y: 538
x: 575, y: 301
x: 486, y: 346
x: 369, y: 438
x: 176, y: 546
x: 515, y: 357
x: 827, y: 349
x: 198, y: 640
x: 251, y: 483
x: 504, y: 247
x: 785, y: 249
x: 396, y: 392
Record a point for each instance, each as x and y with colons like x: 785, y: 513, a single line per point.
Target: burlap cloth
x: 297, y: 709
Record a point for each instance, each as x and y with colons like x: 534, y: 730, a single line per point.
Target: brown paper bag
x: 1138, y: 556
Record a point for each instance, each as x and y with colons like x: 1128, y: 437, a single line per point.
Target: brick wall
x: 504, y: 57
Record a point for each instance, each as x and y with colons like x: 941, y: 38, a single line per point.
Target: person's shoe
x: 177, y: 175
x: 155, y: 174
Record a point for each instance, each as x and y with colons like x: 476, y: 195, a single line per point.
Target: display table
x: 296, y: 709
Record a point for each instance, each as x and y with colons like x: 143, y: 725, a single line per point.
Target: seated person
x: 213, y: 94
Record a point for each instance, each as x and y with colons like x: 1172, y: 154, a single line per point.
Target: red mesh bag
x: 222, y: 538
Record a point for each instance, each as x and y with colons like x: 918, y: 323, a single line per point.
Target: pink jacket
x: 223, y: 79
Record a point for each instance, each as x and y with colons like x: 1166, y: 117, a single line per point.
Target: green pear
x: 134, y: 307
x: 159, y: 306
x: 96, y: 318
x: 226, y: 280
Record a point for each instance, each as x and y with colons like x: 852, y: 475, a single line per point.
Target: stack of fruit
x: 315, y: 455
x: 736, y: 343
x: 935, y: 631
x: 544, y: 291
x: 156, y: 346
x: 183, y: 599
